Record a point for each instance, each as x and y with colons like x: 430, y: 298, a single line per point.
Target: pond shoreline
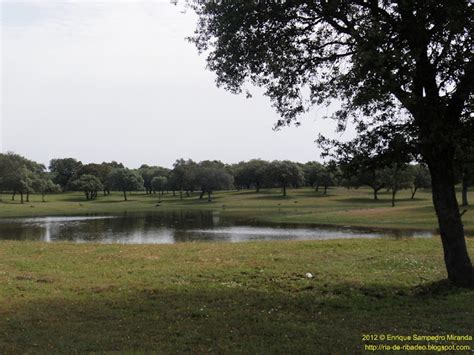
x: 169, y: 227
x: 303, y: 207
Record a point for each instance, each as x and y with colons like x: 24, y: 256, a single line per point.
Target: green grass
x: 218, y: 297
x: 339, y: 207
x: 211, y: 297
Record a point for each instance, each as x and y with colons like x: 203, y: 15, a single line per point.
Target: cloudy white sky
x: 111, y: 80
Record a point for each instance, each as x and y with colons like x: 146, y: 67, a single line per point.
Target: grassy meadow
x: 221, y: 298
x: 232, y: 298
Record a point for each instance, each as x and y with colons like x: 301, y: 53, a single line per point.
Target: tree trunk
x: 125, y: 196
x: 413, y: 192
x: 465, y: 202
x: 21, y: 197
x: 181, y: 194
x: 394, y: 192
x: 201, y: 195
x: 13, y: 196
x: 27, y: 196
x: 284, y: 190
x: 42, y: 197
x: 375, y: 193
x: 209, y: 197
x: 325, y: 189
x: 258, y: 187
x: 458, y: 264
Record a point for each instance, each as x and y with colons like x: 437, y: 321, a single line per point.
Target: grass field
x: 208, y: 297
x: 340, y: 206
x: 245, y: 297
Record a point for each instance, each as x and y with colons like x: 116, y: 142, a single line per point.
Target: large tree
x: 405, y: 65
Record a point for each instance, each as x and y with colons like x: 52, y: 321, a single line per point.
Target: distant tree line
x: 20, y: 176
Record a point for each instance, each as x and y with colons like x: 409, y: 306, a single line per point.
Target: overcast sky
x: 103, y: 81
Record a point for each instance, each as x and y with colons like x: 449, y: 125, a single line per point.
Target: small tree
x: 421, y: 178
x: 89, y: 184
x: 317, y: 175
x: 397, y: 177
x: 17, y: 174
x: 285, y: 174
x: 148, y: 173
x: 212, y: 178
x: 251, y: 173
x: 182, y: 177
x: 311, y: 172
x: 158, y: 183
x: 125, y: 180
x: 43, y: 184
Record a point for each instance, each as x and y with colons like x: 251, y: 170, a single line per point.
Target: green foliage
x: 18, y: 174
x: 123, y: 179
x: 211, y: 176
x: 375, y: 57
x: 182, y: 177
x: 397, y: 177
x: 251, y: 173
x: 89, y: 184
x: 285, y: 174
x: 421, y: 178
x: 64, y: 171
x: 149, y: 173
x: 365, y: 159
x: 100, y: 171
x: 317, y: 175
x: 43, y: 184
x: 159, y: 183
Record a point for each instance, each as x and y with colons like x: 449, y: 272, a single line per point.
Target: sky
x: 116, y: 80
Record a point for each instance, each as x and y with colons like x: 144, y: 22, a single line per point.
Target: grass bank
x: 249, y: 297
x: 340, y: 207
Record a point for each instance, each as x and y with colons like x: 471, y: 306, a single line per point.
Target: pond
x: 175, y: 227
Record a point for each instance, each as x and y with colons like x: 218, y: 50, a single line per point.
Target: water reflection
x: 173, y: 227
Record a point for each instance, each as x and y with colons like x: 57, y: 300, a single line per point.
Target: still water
x: 175, y: 227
